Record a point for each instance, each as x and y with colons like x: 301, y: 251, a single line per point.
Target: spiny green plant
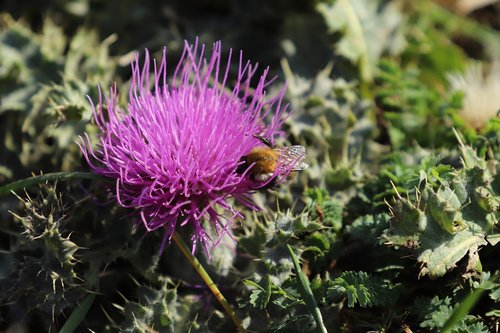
x: 333, y: 121
x: 155, y: 309
x: 454, y: 218
x: 42, y: 274
x: 44, y: 81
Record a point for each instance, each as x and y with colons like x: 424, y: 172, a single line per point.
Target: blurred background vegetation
x: 395, y: 220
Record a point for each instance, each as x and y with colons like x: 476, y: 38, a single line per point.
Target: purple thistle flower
x: 175, y: 151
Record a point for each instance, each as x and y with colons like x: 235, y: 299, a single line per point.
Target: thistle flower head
x: 481, y: 93
x: 175, y: 152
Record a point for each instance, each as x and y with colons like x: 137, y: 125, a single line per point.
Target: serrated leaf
x: 436, y: 312
x: 442, y: 225
x: 260, y: 297
x: 470, y: 328
x: 360, y: 288
x: 288, y: 225
x: 456, y: 321
x: 439, y: 251
x: 369, y: 227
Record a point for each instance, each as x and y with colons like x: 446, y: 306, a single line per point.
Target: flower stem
x: 208, y: 281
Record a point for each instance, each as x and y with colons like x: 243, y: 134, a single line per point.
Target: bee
x: 263, y: 161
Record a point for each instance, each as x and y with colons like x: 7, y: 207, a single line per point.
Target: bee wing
x: 293, y: 155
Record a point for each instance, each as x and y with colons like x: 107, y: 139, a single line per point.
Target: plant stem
x: 208, y: 281
x: 27, y: 182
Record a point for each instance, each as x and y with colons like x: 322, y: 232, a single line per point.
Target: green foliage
x: 324, y: 209
x: 429, y: 46
x: 360, y: 288
x: 331, y: 117
x: 289, y: 225
x: 409, y: 107
x: 437, y: 311
x: 78, y: 315
x: 152, y: 309
x: 444, y: 224
x: 259, y: 298
x: 41, y: 274
x: 46, y: 78
x: 395, y: 221
x: 369, y: 30
x: 368, y: 228
x: 305, y: 291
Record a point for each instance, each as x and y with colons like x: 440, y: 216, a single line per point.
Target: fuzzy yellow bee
x: 263, y: 161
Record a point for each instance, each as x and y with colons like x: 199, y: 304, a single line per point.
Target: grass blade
x: 78, y: 314
x: 466, y: 305
x: 306, y: 292
x: 27, y: 182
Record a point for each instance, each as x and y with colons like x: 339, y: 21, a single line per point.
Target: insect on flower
x: 264, y: 162
x: 174, y: 151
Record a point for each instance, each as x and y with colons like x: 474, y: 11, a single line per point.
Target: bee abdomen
x: 262, y: 177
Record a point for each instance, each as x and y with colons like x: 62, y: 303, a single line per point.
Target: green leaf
x: 410, y: 107
x: 369, y: 29
x: 462, y: 310
x: 154, y: 307
x: 260, y: 297
x: 444, y: 207
x: 441, y: 226
x: 368, y: 228
x: 439, y: 254
x: 305, y: 290
x: 23, y: 183
x: 464, y: 327
x: 324, y: 209
x: 78, y: 315
x: 360, y: 288
x: 288, y: 224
